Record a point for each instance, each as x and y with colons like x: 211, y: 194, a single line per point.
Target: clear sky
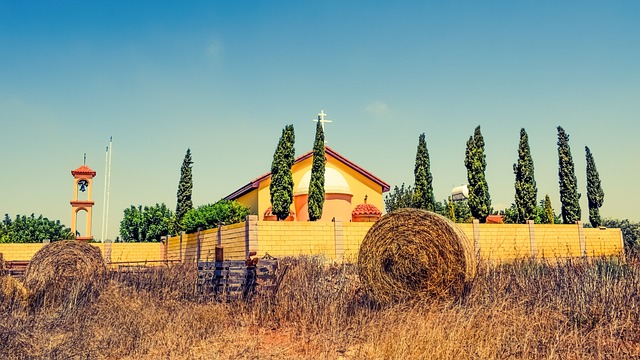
x: 224, y: 77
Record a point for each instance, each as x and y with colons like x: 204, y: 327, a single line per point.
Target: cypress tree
x: 423, y: 197
x: 526, y: 191
x: 475, y: 161
x: 548, y: 216
x: 451, y: 209
x: 316, y: 184
x: 185, y: 189
x: 281, y: 187
x: 595, y: 194
x: 569, y: 196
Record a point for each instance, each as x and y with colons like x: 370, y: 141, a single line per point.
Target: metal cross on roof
x: 322, y: 120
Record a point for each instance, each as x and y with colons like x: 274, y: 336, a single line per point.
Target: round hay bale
x: 64, y: 274
x: 12, y: 293
x: 411, y: 253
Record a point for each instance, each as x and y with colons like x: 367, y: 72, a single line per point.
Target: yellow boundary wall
x: 341, y: 241
x: 116, y: 252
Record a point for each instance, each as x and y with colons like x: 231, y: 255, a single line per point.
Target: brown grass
x: 13, y: 295
x: 410, y: 253
x: 2, y: 265
x: 572, y: 310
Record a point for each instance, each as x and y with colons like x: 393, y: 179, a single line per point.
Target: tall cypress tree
x: 595, y: 194
x: 316, y: 184
x: 281, y: 187
x: 475, y: 161
x: 423, y: 197
x: 185, y: 189
x: 569, y: 196
x: 548, y: 217
x: 526, y: 191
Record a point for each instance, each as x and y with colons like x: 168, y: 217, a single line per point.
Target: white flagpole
x: 104, y: 198
x: 106, y: 228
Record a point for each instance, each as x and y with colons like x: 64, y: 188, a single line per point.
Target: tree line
x: 525, y: 206
x: 150, y: 223
x: 32, y: 229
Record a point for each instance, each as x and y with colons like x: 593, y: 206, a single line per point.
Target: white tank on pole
x: 460, y: 193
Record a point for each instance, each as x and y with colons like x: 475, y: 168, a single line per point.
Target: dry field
x: 524, y: 310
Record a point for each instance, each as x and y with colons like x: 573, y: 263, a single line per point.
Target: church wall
x: 264, y: 198
x: 359, y: 184
x: 298, y: 170
x: 250, y: 199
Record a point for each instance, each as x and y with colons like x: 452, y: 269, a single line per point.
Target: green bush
x: 208, y: 216
x: 32, y: 229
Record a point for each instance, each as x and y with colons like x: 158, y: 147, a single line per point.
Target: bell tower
x: 82, y: 200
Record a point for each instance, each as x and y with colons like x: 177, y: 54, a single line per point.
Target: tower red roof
x: 83, y: 170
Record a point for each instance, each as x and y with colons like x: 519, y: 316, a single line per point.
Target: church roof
x: 83, y: 170
x: 255, y: 183
x: 366, y: 210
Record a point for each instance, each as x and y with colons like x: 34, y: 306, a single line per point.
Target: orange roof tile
x: 83, y: 170
x: 366, y: 210
x: 495, y: 219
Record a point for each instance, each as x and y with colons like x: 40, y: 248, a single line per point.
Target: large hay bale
x: 410, y: 253
x: 64, y: 274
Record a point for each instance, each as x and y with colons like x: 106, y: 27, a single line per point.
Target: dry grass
x: 528, y: 310
x: 2, y: 265
x: 410, y: 253
x: 13, y: 295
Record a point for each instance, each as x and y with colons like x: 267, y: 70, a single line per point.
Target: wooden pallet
x: 16, y: 267
x: 236, y: 279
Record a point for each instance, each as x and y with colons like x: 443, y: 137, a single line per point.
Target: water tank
x: 460, y: 193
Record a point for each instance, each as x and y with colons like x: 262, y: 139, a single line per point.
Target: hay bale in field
x: 12, y: 293
x: 64, y: 274
x: 412, y: 253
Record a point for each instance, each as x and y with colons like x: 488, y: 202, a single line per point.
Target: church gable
x: 346, y: 186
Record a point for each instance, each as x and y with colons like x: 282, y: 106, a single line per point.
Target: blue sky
x: 223, y: 78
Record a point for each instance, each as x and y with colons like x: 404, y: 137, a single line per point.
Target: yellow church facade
x: 351, y: 192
